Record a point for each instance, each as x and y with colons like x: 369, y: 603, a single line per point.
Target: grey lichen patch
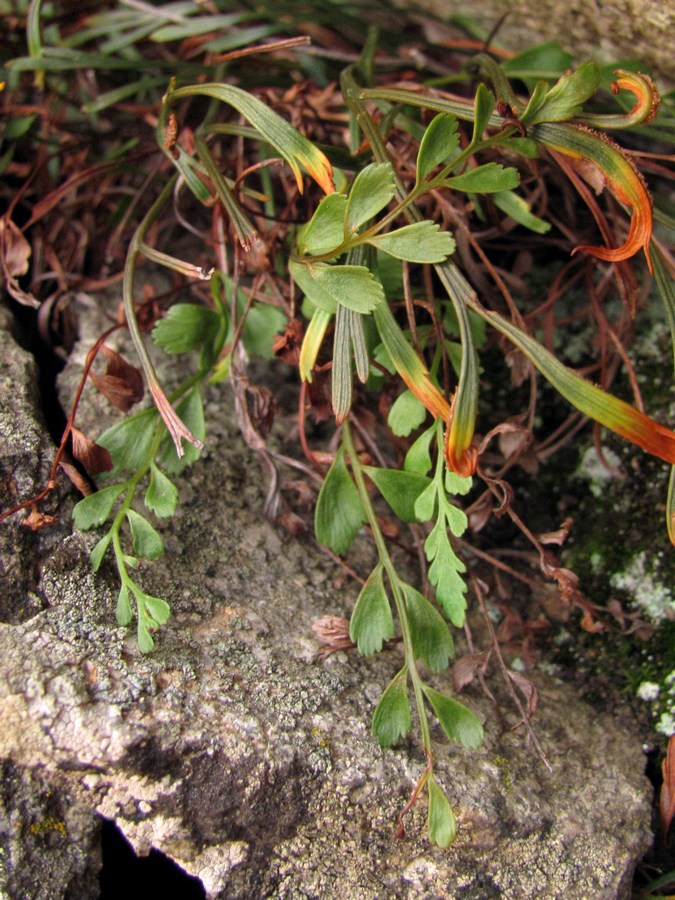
x: 640, y: 582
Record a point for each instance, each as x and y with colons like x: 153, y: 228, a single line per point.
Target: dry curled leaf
x: 667, y: 796
x: 287, y: 345
x: 521, y: 367
x: 14, y: 255
x: 262, y: 408
x: 589, y: 624
x: 76, y: 478
x: 480, y: 512
x: 293, y: 524
x: 559, y: 536
x: 37, y: 520
x: 122, y: 383
x: 468, y: 666
x: 527, y: 689
x: 93, y: 457
x: 332, y: 632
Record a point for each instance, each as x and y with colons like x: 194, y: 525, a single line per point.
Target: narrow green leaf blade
x: 523, y: 146
x: 457, y: 720
x: 483, y: 106
x: 372, y: 190
x: 421, y: 242
x: 391, y: 719
x: 440, y: 141
x: 357, y: 335
x: 95, y: 509
x: 341, y: 373
x: 146, y: 540
x: 589, y: 399
x: 431, y: 636
x: 339, y: 511
x: 161, y: 497
x: 372, y: 623
x: 441, y: 823
x: 486, y: 179
x: 408, y: 364
x: 189, y: 169
x: 311, y: 343
x: 519, y: 210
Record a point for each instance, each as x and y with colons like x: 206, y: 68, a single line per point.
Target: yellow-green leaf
x: 589, y: 399
x: 621, y: 178
x: 298, y: 152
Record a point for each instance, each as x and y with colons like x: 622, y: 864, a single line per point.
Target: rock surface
x: 234, y: 752
x: 607, y: 32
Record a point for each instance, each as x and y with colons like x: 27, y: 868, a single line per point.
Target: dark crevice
x: 124, y: 874
x: 49, y: 364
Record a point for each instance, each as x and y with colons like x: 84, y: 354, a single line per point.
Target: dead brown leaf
x: 527, y: 689
x: 557, y: 537
x: 93, y: 457
x: 37, y: 520
x: 122, y: 383
x: 14, y: 255
x: 468, y: 666
x: 520, y: 366
x: 287, y: 345
x: 589, y: 624
x: 292, y: 524
x: 76, y: 478
x: 667, y: 796
x: 332, y: 632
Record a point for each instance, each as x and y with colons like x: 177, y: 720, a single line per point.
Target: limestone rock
x: 234, y: 752
x: 606, y: 32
